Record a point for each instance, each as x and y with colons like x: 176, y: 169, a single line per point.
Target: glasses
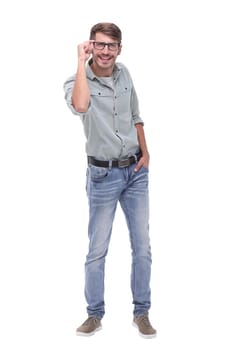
x: 99, y: 45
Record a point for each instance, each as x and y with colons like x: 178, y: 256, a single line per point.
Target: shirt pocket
x: 123, y: 100
x: 101, y: 100
x: 123, y: 91
x: 100, y: 92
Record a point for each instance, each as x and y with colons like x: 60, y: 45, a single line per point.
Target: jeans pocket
x: 98, y: 174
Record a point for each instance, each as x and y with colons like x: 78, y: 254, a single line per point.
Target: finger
x: 90, y: 46
x: 138, y: 166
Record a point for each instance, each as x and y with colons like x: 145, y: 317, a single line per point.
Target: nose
x: 105, y: 49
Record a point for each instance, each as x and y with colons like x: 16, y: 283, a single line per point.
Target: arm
x: 80, y: 93
x: 144, y: 160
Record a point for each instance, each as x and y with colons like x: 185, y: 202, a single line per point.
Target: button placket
x: 116, y: 121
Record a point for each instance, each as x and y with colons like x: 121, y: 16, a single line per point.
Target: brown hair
x: 109, y: 29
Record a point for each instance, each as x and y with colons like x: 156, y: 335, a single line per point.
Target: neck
x: 101, y: 72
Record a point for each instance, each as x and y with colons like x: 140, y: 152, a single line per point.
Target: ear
x: 120, y: 49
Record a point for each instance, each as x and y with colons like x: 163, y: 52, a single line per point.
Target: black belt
x: 115, y: 163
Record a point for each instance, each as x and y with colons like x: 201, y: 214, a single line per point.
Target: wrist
x: 146, y: 157
x: 81, y: 60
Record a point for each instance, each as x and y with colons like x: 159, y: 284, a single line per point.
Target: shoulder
x: 121, y: 66
x: 124, y: 73
x: 123, y: 69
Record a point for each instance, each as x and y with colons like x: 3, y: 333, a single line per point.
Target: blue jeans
x: 105, y: 187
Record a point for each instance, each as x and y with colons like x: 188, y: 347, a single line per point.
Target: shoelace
x: 89, y: 320
x: 144, y: 319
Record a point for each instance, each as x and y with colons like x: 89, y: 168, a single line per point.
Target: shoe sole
x: 147, y: 336
x: 83, y: 334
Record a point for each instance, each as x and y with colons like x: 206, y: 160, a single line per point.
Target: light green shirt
x: 109, y: 122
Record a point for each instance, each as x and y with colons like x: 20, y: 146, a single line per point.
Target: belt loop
x: 135, y: 157
x: 110, y: 164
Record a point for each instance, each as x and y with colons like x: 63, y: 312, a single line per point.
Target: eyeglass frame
x: 115, y: 45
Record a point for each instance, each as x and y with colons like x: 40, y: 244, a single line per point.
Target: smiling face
x: 104, y: 59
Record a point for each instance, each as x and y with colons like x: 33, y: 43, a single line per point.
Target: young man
x: 103, y: 95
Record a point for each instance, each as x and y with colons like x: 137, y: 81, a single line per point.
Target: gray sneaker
x: 89, y: 327
x: 144, y: 326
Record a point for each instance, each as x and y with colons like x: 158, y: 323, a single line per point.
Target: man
x: 103, y: 95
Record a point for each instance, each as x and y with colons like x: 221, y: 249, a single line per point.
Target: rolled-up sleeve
x: 135, y: 108
x: 68, y: 88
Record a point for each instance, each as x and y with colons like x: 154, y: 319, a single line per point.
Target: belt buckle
x: 123, y: 163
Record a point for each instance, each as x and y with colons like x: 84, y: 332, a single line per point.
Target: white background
x: 175, y: 51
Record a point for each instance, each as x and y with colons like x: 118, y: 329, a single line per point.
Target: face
x: 104, y: 59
